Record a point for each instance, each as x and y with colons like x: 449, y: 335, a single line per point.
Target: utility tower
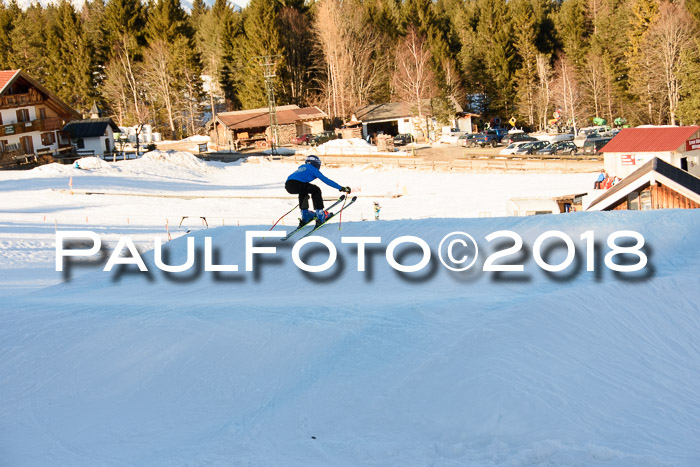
x: 268, y: 63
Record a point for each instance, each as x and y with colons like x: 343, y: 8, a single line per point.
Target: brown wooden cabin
x: 655, y: 185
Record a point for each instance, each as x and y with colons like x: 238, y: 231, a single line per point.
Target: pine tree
x: 29, y: 42
x: 124, y: 22
x: 199, y: 9
x: 495, y: 48
x: 260, y: 38
x: 573, y: 27
x: 92, y: 15
x: 296, y: 37
x: 169, y: 62
x: 7, y: 15
x: 527, y: 18
x: 167, y: 21
x: 69, y: 58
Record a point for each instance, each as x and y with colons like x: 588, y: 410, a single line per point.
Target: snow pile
x: 197, y: 139
x: 347, y: 147
x: 171, y: 163
x: 347, y: 143
x: 180, y: 158
x: 53, y: 170
x: 93, y: 163
x: 282, y: 367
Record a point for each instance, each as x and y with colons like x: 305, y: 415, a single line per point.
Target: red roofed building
x: 633, y: 147
x: 245, y: 127
x: 31, y: 118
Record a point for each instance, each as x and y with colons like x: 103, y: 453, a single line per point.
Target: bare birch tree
x: 594, y: 79
x: 567, y: 91
x: 157, y: 68
x: 414, y: 80
x: 544, y: 92
x: 348, y: 46
x: 664, y: 46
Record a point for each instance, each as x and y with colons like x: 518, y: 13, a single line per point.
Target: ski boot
x: 321, y: 216
x: 306, y: 217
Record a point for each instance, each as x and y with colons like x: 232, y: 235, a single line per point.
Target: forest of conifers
x: 162, y: 64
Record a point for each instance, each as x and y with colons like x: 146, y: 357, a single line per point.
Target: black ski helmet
x: 313, y: 160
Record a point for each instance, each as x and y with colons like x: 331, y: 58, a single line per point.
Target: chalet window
x: 22, y: 115
x: 47, y: 139
x: 645, y: 200
x: 42, y: 113
x: 79, y: 143
x: 3, y: 145
x: 633, y: 201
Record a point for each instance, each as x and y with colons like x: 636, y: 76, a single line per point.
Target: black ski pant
x: 303, y: 189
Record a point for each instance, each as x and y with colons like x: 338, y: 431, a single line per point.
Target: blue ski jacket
x: 308, y: 173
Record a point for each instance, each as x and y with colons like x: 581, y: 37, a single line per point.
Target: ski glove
x: 346, y: 189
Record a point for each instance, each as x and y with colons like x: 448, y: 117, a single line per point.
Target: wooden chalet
x: 252, y: 127
x: 655, y: 185
x: 31, y: 119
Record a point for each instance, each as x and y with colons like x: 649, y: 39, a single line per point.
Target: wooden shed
x: 252, y: 127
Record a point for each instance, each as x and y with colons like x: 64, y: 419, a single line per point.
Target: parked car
x: 403, y: 139
x: 302, y: 139
x: 321, y: 138
x: 585, y: 134
x: 512, y: 147
x: 467, y: 140
x: 490, y: 137
x: 593, y: 145
x: 530, y: 147
x: 516, y: 137
x: 553, y: 137
x: 562, y: 147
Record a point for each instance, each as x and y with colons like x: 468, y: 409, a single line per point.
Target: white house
x: 400, y: 117
x: 391, y: 119
x: 94, y: 136
x: 633, y: 147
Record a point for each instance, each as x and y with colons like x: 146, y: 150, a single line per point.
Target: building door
x: 684, y: 163
x: 27, y: 144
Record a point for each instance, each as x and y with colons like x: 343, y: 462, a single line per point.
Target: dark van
x: 592, y: 146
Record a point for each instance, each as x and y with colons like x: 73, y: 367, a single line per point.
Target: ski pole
x: 340, y: 218
x: 283, y: 216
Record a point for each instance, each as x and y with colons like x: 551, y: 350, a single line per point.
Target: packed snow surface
x: 347, y: 147
x: 278, y: 366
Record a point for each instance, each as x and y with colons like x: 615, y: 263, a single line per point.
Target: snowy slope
x: 376, y: 368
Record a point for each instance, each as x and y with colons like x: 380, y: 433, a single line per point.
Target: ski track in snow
x: 382, y: 369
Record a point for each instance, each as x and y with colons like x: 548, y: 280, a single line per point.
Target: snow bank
x: 179, y: 158
x: 347, y: 147
x: 197, y: 139
x: 281, y: 367
x: 93, y: 163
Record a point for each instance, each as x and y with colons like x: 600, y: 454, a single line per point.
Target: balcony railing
x: 46, y: 124
x: 18, y: 100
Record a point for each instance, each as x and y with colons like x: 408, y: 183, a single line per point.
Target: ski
x: 332, y: 215
x: 340, y: 200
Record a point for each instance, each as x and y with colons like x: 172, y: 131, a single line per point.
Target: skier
x: 299, y: 183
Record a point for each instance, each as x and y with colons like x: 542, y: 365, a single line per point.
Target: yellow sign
x: 512, y: 121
